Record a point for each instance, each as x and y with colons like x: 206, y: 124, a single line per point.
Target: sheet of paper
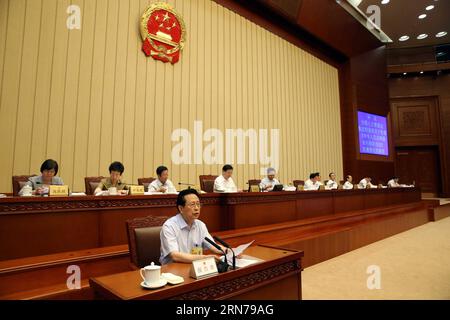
x: 242, y: 263
x: 237, y: 251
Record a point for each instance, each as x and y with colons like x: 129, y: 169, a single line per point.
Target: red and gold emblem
x: 163, y: 32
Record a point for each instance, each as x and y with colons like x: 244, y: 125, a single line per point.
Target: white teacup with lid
x: 151, y: 274
x: 27, y: 191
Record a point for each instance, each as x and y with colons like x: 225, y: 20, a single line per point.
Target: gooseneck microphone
x: 189, y: 185
x: 226, y: 245
x: 222, y: 266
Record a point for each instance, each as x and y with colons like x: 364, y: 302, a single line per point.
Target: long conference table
x: 34, y: 226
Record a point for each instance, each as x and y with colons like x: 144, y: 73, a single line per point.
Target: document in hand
x: 242, y: 262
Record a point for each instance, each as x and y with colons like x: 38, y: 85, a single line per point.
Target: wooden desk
x: 278, y: 277
x: 54, y: 225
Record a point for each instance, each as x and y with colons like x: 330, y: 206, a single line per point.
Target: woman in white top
x: 332, y: 184
x: 348, y: 183
x: 224, y: 182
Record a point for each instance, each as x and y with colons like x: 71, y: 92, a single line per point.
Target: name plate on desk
x: 136, y: 190
x: 254, y: 188
x: 203, y: 268
x: 299, y: 187
x: 58, y: 191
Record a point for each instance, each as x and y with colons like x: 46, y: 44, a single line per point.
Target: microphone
x: 226, y: 245
x: 186, y: 184
x: 222, y: 266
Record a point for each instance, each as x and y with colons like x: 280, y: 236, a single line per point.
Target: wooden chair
x: 253, y: 182
x: 341, y: 182
x: 207, y: 182
x: 145, y: 182
x: 90, y: 183
x: 298, y: 183
x: 18, y: 182
x: 144, y: 240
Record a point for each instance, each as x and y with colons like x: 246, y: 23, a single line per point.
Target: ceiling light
x: 385, y: 1
x: 422, y: 36
x: 431, y: 7
x: 441, y: 34
x: 404, y: 38
x: 421, y: 72
x: 404, y: 73
x: 422, y: 16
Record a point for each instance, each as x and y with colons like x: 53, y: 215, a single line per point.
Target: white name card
x: 203, y: 268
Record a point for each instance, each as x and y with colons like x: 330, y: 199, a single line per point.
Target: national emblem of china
x: 163, y: 32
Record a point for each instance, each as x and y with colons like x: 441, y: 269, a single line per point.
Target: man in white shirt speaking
x: 162, y: 183
x: 269, y: 182
x: 224, y: 182
x: 183, y: 236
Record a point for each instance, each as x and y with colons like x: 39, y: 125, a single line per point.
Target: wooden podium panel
x: 277, y: 277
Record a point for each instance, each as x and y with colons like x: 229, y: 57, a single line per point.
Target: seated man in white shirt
x: 348, y: 182
x: 162, y: 183
x: 312, y: 182
x: 366, y: 183
x: 332, y: 184
x: 393, y: 183
x: 269, y: 182
x: 224, y: 182
x: 183, y: 236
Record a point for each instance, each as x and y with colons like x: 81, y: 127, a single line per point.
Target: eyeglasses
x: 194, y: 204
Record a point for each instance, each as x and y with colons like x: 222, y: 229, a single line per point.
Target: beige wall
x: 87, y: 97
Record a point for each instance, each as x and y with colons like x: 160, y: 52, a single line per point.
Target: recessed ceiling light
x: 385, y: 1
x: 431, y: 7
x: 404, y: 38
x: 404, y: 73
x: 422, y: 16
x: 422, y: 36
x: 421, y: 72
x: 441, y: 34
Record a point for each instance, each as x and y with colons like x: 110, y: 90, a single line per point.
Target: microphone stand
x: 221, y: 266
x: 226, y: 245
x: 189, y: 185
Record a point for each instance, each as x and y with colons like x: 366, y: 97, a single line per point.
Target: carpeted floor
x: 413, y: 265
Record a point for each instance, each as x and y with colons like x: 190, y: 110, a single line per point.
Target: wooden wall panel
x: 426, y: 88
x: 90, y: 96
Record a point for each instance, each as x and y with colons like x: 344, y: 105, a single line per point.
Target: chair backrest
x: 90, y: 183
x: 207, y: 182
x: 341, y: 182
x: 144, y: 239
x: 298, y: 183
x: 18, y: 182
x: 253, y: 182
x: 145, y: 182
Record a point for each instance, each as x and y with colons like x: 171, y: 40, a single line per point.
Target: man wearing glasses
x: 183, y: 236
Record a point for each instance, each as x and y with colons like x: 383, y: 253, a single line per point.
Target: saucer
x: 162, y: 283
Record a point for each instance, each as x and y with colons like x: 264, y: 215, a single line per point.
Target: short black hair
x: 181, y: 201
x: 160, y: 170
x: 331, y: 174
x: 116, y: 166
x: 227, y: 167
x: 313, y: 175
x: 49, y: 164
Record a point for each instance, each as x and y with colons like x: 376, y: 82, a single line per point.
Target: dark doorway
x: 419, y: 164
